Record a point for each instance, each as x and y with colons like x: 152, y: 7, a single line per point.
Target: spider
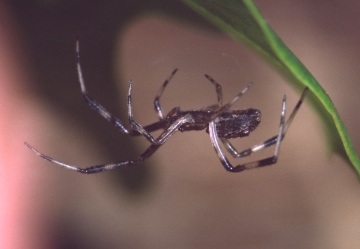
x: 219, y: 121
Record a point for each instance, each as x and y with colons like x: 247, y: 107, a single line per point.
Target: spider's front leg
x: 104, y: 167
x: 91, y: 102
x: 260, y: 163
x: 135, y: 125
x: 107, y: 115
x: 157, y: 105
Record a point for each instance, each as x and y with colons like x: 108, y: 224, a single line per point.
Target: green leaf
x: 242, y: 20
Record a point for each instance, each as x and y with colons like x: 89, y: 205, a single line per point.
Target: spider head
x: 237, y: 123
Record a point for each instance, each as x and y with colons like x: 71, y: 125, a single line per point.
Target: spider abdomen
x: 237, y: 123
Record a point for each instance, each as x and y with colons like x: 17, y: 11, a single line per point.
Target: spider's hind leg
x: 269, y: 142
x: 260, y: 163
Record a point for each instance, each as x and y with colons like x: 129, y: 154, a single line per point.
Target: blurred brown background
x: 181, y: 197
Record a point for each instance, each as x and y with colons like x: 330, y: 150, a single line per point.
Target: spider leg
x: 218, y: 90
x: 135, y: 125
x: 227, y: 106
x: 269, y: 142
x: 145, y: 155
x: 260, y: 163
x: 137, y: 129
x: 157, y: 105
x: 91, y: 102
